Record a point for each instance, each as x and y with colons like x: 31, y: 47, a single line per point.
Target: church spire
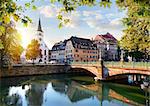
x: 39, y: 26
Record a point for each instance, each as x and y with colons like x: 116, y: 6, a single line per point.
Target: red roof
x: 106, y: 36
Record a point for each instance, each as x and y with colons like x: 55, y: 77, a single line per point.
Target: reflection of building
x: 107, y: 46
x: 35, y: 94
x: 77, y: 93
x: 80, y: 49
x: 44, y: 49
x: 59, y: 86
x: 73, y: 90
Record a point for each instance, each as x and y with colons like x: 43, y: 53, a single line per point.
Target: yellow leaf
x: 16, y: 17
x: 6, y: 19
x: 2, y: 29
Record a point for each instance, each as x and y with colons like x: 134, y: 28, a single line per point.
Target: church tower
x: 44, y: 49
x: 39, y: 26
x: 40, y: 34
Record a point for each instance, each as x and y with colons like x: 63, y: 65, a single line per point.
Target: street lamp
x: 122, y: 52
x: 100, y: 53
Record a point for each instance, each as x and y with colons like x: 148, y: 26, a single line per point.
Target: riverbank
x: 34, y: 70
x: 39, y: 69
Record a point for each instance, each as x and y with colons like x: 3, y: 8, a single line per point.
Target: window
x: 44, y: 52
x: 76, y: 50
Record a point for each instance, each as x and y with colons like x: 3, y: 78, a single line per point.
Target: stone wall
x: 34, y: 70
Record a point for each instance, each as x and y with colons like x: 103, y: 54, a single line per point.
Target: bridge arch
x: 82, y: 70
x: 96, y: 71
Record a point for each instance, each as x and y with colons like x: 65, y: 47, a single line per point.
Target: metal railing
x: 97, y: 63
x: 133, y: 65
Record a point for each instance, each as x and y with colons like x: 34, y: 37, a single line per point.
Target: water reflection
x: 68, y: 91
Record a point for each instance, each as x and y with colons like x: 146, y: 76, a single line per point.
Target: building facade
x: 107, y: 46
x: 58, y: 52
x: 80, y: 50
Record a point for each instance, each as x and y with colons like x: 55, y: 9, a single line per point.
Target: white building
x: 58, y: 52
x: 44, y: 49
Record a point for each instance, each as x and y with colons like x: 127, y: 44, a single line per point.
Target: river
x: 68, y: 90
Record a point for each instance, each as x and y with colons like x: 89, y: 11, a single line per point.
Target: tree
x: 11, y: 48
x: 136, y: 38
x: 16, y: 52
x: 33, y: 50
x: 9, y: 38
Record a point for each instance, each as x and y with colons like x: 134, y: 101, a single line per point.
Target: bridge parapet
x: 103, y: 70
x: 86, y: 63
x: 130, y: 65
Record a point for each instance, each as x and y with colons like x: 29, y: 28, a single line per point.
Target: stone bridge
x: 94, y: 69
x: 103, y: 71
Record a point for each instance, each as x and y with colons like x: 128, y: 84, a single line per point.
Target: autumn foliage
x: 33, y: 50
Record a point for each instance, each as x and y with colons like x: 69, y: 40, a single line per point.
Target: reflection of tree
x: 35, y: 94
x: 13, y: 100
x: 136, y: 96
x: 3, y: 94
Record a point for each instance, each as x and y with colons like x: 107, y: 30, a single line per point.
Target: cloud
x: 75, y: 19
x: 49, y: 11
x: 96, y: 14
x: 94, y: 19
x: 103, y: 25
x: 116, y: 15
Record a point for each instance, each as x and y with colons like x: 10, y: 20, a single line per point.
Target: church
x: 44, y: 58
x: 43, y: 47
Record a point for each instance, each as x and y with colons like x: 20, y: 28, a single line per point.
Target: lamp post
x: 122, y: 52
x: 100, y: 53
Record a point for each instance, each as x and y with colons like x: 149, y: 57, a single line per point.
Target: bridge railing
x: 97, y: 63
x: 133, y: 65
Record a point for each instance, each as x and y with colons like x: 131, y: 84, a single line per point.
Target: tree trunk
x: 33, y: 61
x: 1, y: 59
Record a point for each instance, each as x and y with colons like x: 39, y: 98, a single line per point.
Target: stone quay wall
x: 34, y: 70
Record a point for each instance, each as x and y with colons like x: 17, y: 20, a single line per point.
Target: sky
x: 86, y: 22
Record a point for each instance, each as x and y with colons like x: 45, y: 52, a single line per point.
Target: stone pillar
x: 102, y: 66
